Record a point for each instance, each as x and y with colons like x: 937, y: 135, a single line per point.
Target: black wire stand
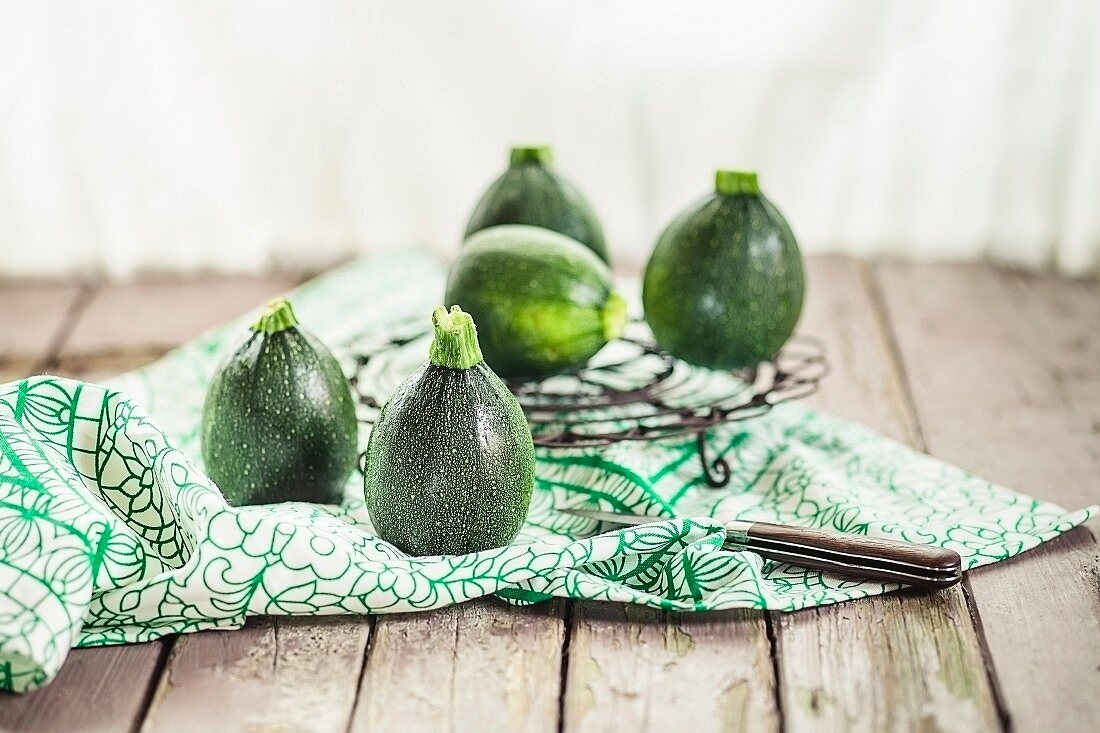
x: 633, y: 391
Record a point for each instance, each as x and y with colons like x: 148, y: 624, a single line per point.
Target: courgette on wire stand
x: 531, y: 192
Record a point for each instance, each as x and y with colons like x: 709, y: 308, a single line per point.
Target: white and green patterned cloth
x: 111, y: 533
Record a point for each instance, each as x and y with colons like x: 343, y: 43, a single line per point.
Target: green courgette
x: 450, y: 462
x: 278, y: 423
x: 532, y: 192
x: 724, y: 286
x: 544, y: 303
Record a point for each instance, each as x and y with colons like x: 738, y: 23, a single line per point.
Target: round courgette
x: 278, y: 423
x: 544, y: 303
x: 450, y: 462
x: 724, y: 286
x: 532, y: 192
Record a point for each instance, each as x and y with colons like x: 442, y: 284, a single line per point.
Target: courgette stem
x: 613, y: 318
x: 277, y: 316
x: 730, y: 183
x: 540, y: 154
x: 455, y: 345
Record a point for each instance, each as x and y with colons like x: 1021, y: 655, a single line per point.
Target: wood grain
x: 100, y: 689
x: 997, y: 381
x: 275, y: 674
x: 97, y: 368
x: 1064, y: 321
x: 886, y: 663
x: 17, y: 368
x: 34, y: 318
x: 479, y: 666
x: 156, y: 316
x: 640, y: 669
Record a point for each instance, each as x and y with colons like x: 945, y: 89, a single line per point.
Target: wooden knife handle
x: 857, y: 556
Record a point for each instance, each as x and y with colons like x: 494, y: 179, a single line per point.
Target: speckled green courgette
x: 532, y: 192
x: 724, y: 285
x: 544, y: 304
x: 279, y: 421
x: 450, y: 462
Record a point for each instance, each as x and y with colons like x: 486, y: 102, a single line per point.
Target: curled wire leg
x: 717, y: 472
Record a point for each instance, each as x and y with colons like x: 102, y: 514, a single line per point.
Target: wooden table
x: 992, y: 370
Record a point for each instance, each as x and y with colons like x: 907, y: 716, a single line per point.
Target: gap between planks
x: 917, y: 440
x: 481, y: 665
x: 276, y: 673
x: 1016, y: 405
x: 37, y: 318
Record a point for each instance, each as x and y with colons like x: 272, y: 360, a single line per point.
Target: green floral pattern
x: 111, y: 533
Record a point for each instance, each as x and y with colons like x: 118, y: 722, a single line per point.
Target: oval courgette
x: 544, y: 304
x: 450, y: 462
x: 532, y: 192
x: 724, y: 286
x: 278, y: 423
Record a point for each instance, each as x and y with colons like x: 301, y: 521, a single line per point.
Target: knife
x: 853, y: 556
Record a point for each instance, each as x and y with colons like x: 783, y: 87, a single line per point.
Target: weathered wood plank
x: 157, y: 316
x: 17, y: 368
x: 863, y: 383
x: 639, y: 669
x: 990, y: 390
x: 33, y: 318
x: 1064, y: 317
x: 97, y: 368
x: 99, y: 689
x: 274, y: 674
x: 887, y: 663
x: 480, y: 666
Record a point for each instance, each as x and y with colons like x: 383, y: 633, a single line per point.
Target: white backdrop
x: 238, y: 136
